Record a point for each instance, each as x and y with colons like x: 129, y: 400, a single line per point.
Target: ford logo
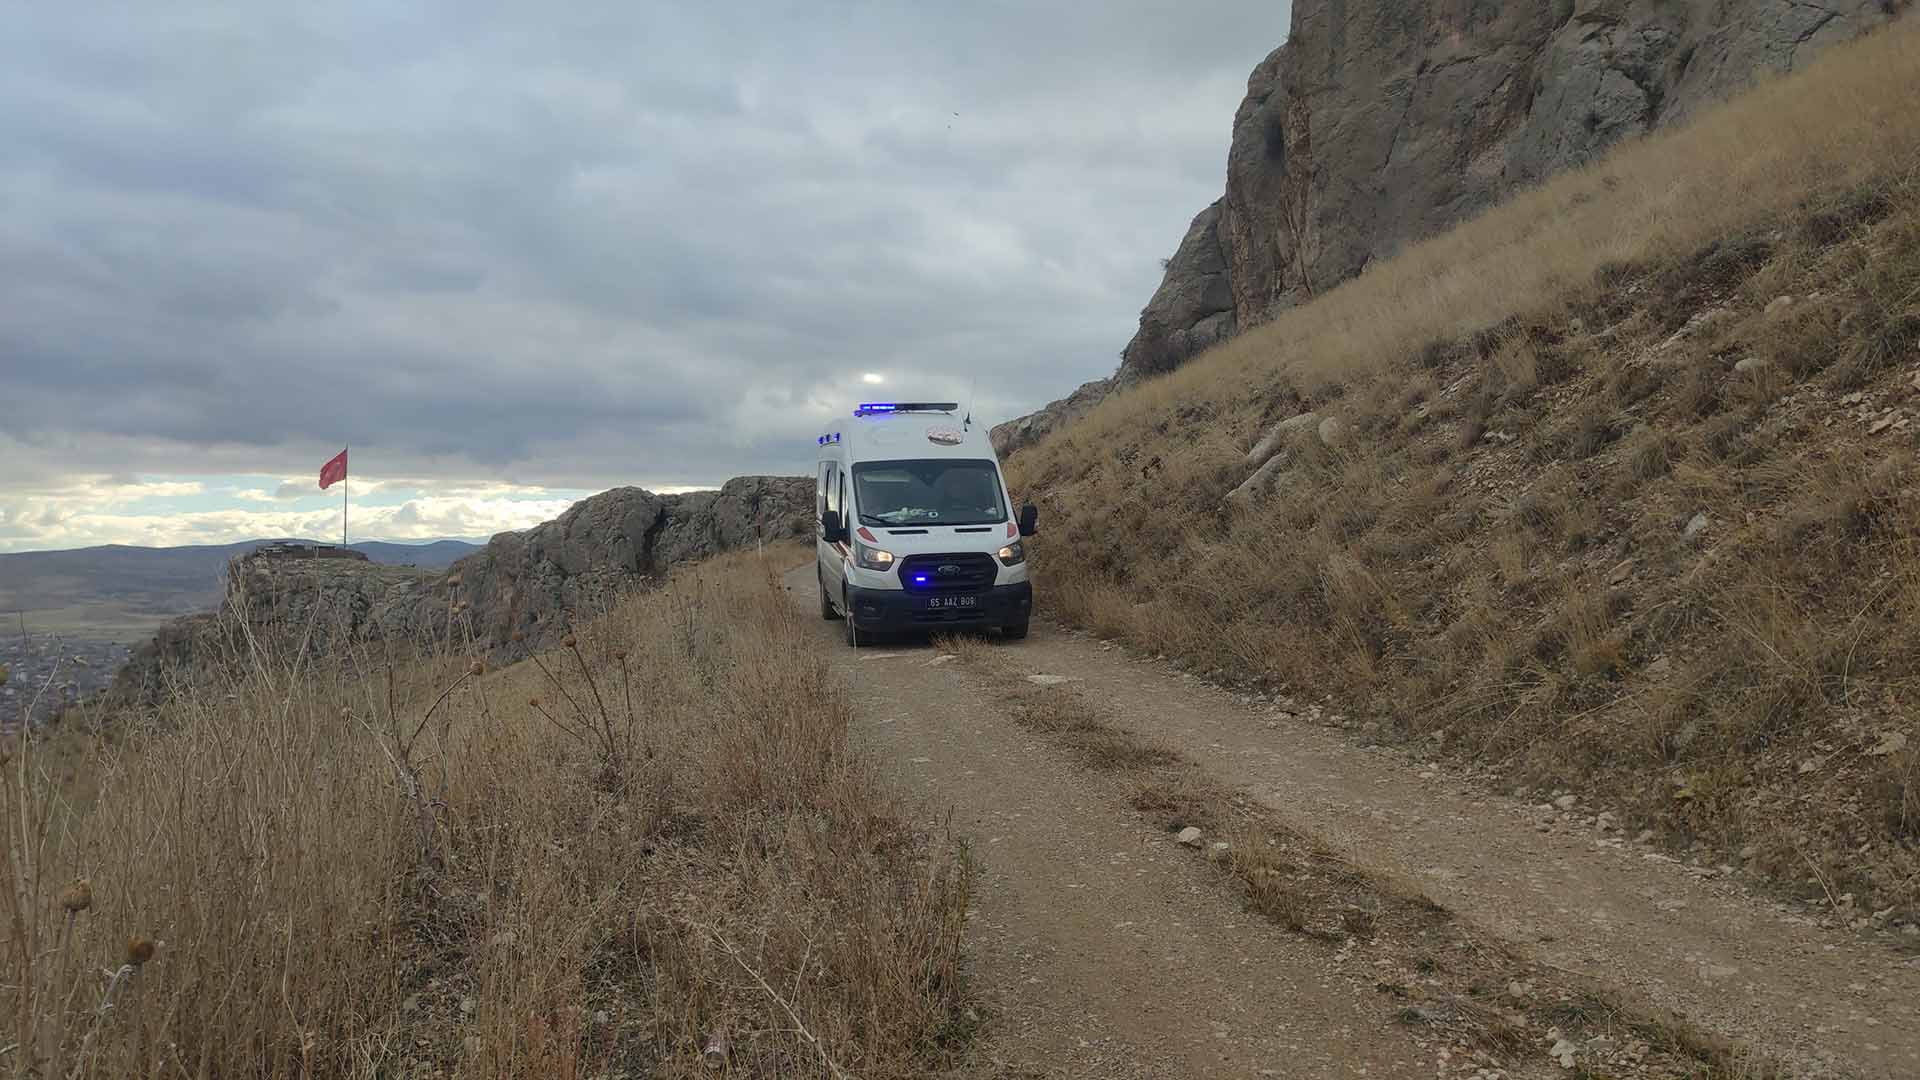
x: 949, y: 569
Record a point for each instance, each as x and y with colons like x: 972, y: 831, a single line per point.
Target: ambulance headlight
x: 1013, y: 554
x: 872, y: 558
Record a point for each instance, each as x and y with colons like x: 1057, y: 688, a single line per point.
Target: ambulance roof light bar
x: 882, y: 408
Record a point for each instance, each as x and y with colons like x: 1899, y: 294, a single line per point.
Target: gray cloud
x: 608, y: 243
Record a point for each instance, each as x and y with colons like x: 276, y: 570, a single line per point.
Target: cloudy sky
x: 515, y: 254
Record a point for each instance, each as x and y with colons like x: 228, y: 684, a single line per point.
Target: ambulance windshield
x: 931, y: 492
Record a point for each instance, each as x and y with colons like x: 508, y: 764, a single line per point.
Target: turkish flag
x: 333, y: 471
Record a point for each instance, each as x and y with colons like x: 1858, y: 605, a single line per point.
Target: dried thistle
x: 516, y: 637
x: 139, y: 950
x: 477, y: 668
x: 534, y: 701
x: 453, y: 581
x: 620, y: 654
x: 569, y: 641
x: 77, y: 897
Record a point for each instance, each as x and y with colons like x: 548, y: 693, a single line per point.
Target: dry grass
x: 411, y: 869
x: 1503, y: 551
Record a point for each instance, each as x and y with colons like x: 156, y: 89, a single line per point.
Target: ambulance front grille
x: 969, y: 572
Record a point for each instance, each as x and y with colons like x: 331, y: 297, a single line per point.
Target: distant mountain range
x: 116, y: 587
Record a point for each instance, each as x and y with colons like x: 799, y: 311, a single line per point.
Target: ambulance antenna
x: 966, y: 424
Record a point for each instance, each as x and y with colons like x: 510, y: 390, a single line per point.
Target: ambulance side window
x: 822, y: 484
x: 840, y: 491
x: 832, y: 487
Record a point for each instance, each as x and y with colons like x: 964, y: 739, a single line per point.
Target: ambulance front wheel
x: 1014, y: 631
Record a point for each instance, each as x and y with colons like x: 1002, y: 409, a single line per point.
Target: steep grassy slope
x: 650, y: 852
x: 1619, y: 495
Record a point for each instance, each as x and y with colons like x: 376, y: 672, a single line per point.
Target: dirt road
x: 1109, y: 951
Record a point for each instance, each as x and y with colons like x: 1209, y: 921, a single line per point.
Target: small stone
x: 1332, y: 431
x: 1276, y: 435
x: 1050, y: 680
x: 1218, y: 851
x: 1263, y: 481
x: 1779, y: 304
x: 1750, y: 364
x: 1891, y: 743
x: 1620, y: 572
x: 1644, y: 836
x: 1189, y: 836
x: 1854, y: 398
x: 1605, y: 821
x: 1696, y: 525
x: 1750, y: 853
x: 602, y: 1017
x: 1660, y: 667
x: 467, y: 1005
x: 1566, y: 802
x: 1881, y: 424
x: 1563, y: 1052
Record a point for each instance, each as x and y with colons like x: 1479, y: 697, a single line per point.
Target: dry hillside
x: 1610, y: 489
x: 650, y: 851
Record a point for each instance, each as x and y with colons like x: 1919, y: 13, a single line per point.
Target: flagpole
x: 346, y: 485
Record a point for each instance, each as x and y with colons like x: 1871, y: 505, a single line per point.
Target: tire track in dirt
x: 1101, y: 948
x: 1823, y: 1002
x: 1058, y: 852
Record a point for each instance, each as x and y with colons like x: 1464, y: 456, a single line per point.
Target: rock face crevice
x: 1381, y: 122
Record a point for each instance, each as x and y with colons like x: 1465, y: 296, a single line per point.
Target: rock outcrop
x: 614, y: 541
x: 1381, y: 122
x: 1030, y: 428
x: 1192, y: 311
x: 531, y: 583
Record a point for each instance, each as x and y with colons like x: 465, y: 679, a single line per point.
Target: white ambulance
x: 916, y: 529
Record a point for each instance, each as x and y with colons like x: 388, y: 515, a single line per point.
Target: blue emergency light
x: 881, y: 408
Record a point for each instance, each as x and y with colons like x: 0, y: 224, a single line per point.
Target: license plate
x: 942, y: 603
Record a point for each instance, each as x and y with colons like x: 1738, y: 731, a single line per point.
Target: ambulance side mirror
x: 1029, y: 520
x: 832, y: 529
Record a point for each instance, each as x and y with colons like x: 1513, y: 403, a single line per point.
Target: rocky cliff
x: 529, y: 583
x: 579, y: 561
x: 1381, y: 122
